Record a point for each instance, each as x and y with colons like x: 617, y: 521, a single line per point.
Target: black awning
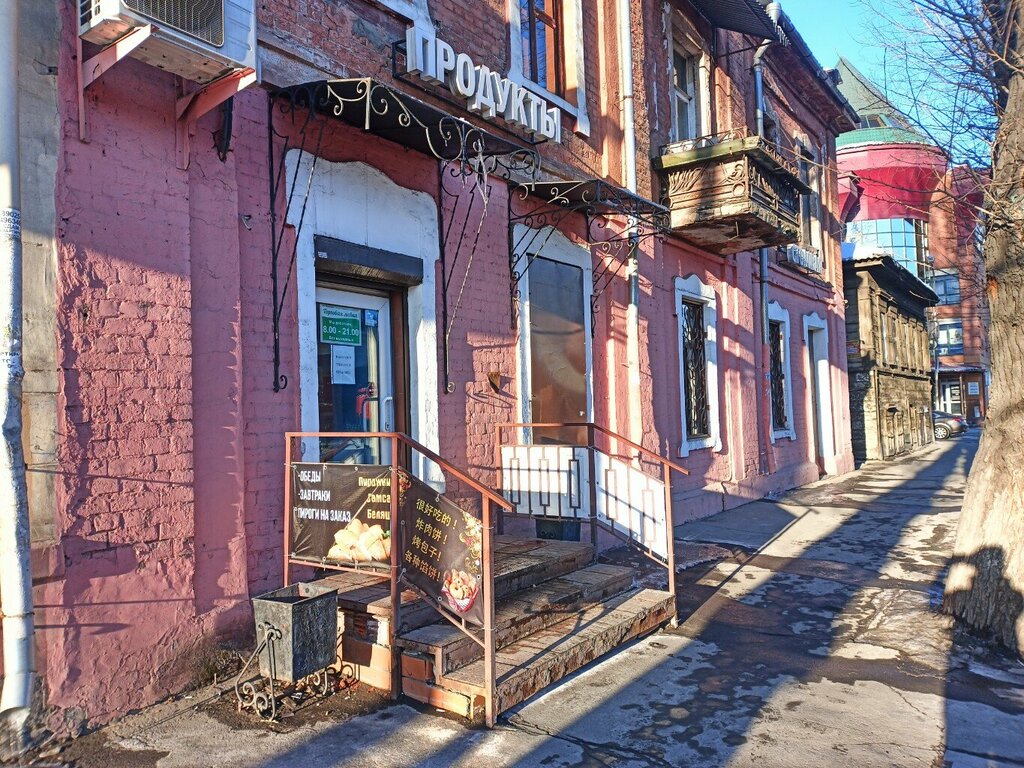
x: 746, y: 16
x: 380, y: 109
x: 596, y: 198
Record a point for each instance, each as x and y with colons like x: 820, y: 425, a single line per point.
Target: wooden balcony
x: 730, y: 193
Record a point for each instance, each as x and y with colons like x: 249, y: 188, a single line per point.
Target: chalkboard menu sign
x: 441, y: 548
x: 341, y: 513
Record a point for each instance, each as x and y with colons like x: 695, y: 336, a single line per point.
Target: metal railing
x: 399, y: 458
x: 611, y: 490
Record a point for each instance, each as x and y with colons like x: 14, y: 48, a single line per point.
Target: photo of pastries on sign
x: 361, y: 543
x: 461, y: 589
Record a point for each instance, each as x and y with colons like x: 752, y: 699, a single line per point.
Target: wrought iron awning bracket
x: 277, y: 175
x: 598, y: 202
x: 446, y: 173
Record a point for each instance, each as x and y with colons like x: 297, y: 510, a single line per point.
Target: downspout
x: 629, y: 167
x: 15, y: 566
x: 774, y: 12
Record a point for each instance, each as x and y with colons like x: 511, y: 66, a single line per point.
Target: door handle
x: 388, y: 408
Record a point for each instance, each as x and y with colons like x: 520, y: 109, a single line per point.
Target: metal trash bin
x: 302, y: 621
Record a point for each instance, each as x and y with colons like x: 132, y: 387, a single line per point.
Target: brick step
x: 518, y: 564
x: 521, y: 614
x: 536, y: 662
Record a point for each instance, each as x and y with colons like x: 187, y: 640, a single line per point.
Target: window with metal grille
x: 695, y: 369
x: 540, y: 22
x: 203, y: 19
x: 776, y: 342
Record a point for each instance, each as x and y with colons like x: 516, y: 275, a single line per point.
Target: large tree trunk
x: 985, y: 587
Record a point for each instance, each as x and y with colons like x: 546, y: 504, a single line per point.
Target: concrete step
x: 521, y: 614
x: 541, y: 659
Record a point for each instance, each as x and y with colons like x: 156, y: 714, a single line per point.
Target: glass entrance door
x: 949, y: 397
x: 354, y: 374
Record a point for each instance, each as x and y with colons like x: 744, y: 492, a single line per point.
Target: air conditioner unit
x: 199, y: 40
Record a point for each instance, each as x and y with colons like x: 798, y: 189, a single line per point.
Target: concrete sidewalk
x: 818, y: 643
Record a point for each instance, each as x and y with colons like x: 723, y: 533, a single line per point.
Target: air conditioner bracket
x: 192, y: 106
x: 90, y: 70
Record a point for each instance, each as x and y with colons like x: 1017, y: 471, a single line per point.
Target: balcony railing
x: 731, y: 192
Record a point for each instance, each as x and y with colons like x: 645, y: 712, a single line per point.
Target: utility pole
x: 15, y: 568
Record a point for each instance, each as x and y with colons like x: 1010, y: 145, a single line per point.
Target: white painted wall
x: 357, y: 203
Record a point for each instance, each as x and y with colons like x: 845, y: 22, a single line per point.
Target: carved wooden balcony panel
x: 730, y: 194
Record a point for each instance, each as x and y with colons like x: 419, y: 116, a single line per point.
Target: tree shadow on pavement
x: 984, y: 697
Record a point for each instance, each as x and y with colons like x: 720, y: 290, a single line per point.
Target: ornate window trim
x: 414, y: 10
x: 692, y: 289
x: 778, y: 314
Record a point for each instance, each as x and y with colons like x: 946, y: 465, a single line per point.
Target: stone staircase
x: 555, y: 611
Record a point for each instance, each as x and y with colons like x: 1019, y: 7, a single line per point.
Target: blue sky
x: 839, y: 27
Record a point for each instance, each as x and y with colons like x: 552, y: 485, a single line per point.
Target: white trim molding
x: 691, y: 288
x: 555, y: 246
x: 357, y: 203
x: 414, y: 10
x: 778, y: 314
x: 575, y: 61
x: 818, y: 356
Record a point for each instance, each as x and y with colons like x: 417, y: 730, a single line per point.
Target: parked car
x: 947, y: 424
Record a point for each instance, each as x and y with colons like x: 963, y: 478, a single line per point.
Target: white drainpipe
x: 629, y: 151
x: 15, y: 566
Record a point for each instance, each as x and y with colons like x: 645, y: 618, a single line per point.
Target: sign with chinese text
x: 340, y: 325
x: 341, y: 513
x: 973, y: 388
x: 442, y: 548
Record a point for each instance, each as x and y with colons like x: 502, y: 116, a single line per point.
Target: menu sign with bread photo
x: 442, y: 547
x: 341, y: 513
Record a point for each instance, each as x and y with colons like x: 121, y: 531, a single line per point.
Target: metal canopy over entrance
x: 379, y: 109
x: 542, y: 206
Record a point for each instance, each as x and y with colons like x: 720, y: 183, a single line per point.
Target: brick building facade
x: 175, y: 301
x: 901, y: 195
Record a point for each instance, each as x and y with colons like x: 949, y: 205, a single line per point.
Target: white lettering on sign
x: 486, y: 92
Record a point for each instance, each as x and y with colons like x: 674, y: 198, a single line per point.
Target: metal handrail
x: 667, y: 466
x: 488, y: 498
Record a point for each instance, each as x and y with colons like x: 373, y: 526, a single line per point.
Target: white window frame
x: 414, y: 10
x: 551, y: 244
x: 778, y: 314
x: 820, y: 356
x: 812, y: 159
x: 573, y: 58
x: 700, y: 99
x: 692, y: 289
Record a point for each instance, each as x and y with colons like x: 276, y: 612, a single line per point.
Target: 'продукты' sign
x: 488, y: 93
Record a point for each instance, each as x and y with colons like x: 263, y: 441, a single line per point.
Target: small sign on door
x: 343, y: 364
x: 340, y: 325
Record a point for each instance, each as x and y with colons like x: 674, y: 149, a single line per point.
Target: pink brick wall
x: 171, y: 449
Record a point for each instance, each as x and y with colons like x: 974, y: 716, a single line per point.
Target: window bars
x: 776, y: 341
x: 695, y: 369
